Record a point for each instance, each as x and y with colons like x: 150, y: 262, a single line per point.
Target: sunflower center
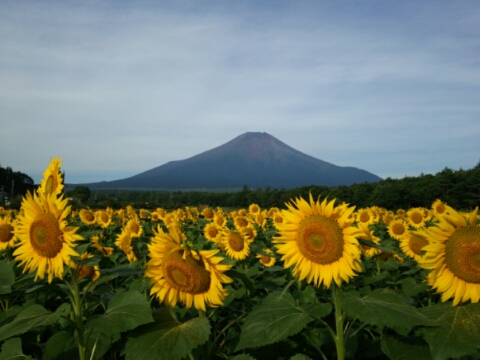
x: 320, y: 239
x: 212, y: 232
x: 45, y: 235
x: 188, y: 275
x: 462, y: 254
x: 51, y: 184
x: 416, y: 218
x: 440, y: 208
x: 89, y: 216
x: 242, y: 222
x: 416, y: 243
x: 398, y: 229
x: 236, y: 242
x: 265, y: 259
x: 104, y: 218
x: 134, y: 227
x: 364, y: 217
x: 6, y: 233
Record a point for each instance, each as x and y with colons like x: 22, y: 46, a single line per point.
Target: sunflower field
x: 317, y: 279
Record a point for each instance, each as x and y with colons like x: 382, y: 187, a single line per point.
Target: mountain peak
x: 255, y: 159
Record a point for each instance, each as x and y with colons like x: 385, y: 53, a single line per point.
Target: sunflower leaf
x: 125, y: 311
x: 397, y: 349
x: 29, y: 318
x: 457, y: 333
x: 275, y: 319
x: 383, y: 307
x: 60, y: 345
x: 7, y: 277
x: 12, y: 350
x: 166, y: 338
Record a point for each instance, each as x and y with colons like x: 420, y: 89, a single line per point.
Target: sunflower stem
x: 78, y: 317
x: 339, y: 338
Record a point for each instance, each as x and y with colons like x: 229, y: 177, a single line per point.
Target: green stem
x: 78, y: 316
x: 339, y: 339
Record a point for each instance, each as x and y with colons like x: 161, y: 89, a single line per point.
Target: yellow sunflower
x: 365, y: 216
x: 454, y: 257
x: 84, y: 271
x: 320, y: 247
x: 240, y: 221
x: 103, y: 219
x: 124, y: 242
x: 439, y: 207
x: 208, y: 213
x: 397, y: 229
x: 46, y: 240
x: 219, y: 219
x: 235, y: 244
x: 105, y: 250
x: 181, y: 275
x: 253, y: 209
x: 265, y: 260
x: 87, y: 216
x: 412, y: 244
x: 52, y: 181
x: 135, y: 227
x: 416, y: 217
x: 211, y: 231
x: 7, y: 238
x: 367, y: 234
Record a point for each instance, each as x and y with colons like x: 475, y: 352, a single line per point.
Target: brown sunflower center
x: 46, y: 237
x: 265, y: 259
x: 104, y: 217
x: 416, y: 243
x: 440, y: 208
x: 398, y: 229
x: 416, y: 218
x: 208, y: 214
x: 320, y: 239
x: 89, y: 216
x: 462, y: 254
x: 236, y: 242
x: 212, y: 231
x: 364, y: 217
x: 134, y: 227
x: 241, y: 221
x: 188, y: 275
x: 6, y: 233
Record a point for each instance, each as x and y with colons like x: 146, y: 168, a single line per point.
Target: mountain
x: 254, y: 159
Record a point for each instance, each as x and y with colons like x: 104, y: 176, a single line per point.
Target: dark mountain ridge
x: 255, y: 159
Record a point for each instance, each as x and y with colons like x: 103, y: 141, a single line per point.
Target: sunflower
x: 454, y: 256
x: 7, y: 238
x: 236, y: 245
x: 367, y: 234
x: 103, y: 219
x: 320, y: 247
x: 46, y: 240
x: 208, y: 213
x: 416, y: 217
x: 397, y: 229
x: 135, y: 227
x: 52, y: 181
x: 124, y: 242
x: 265, y: 260
x: 240, y: 221
x: 365, y: 216
x: 211, y: 232
x: 439, y: 207
x: 253, y: 209
x: 84, y: 271
x: 412, y: 244
x: 181, y: 275
x: 219, y: 219
x: 87, y: 217
x: 105, y: 250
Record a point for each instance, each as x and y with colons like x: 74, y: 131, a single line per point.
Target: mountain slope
x: 254, y: 159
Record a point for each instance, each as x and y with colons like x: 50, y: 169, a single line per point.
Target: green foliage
x: 12, y: 350
x: 7, y: 276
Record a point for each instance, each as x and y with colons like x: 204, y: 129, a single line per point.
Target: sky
x: 116, y: 88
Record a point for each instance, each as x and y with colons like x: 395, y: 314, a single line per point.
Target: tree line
x: 458, y: 188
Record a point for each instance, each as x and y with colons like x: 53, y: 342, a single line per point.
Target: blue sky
x: 115, y: 88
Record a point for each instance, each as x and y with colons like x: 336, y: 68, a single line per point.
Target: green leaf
x: 383, y: 307
x: 275, y: 319
x: 32, y: 316
x: 318, y: 310
x: 7, y: 276
x: 243, y: 357
x: 411, y: 288
x: 96, y: 342
x: 166, y: 338
x: 12, y: 350
x: 125, y: 311
x: 244, y: 278
x: 58, y: 345
x: 300, y: 357
x: 458, y: 331
x: 404, y: 350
